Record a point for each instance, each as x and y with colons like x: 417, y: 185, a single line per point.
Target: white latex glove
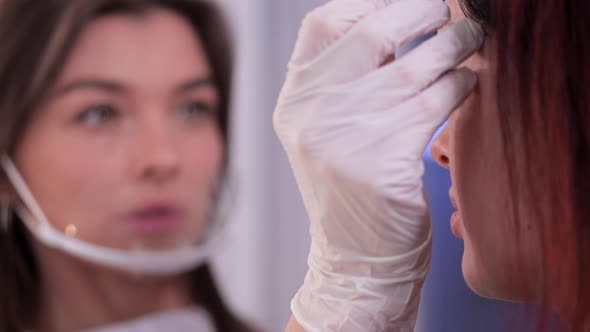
x: 355, y: 131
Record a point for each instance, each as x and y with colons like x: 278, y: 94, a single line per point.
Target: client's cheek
x: 461, y: 121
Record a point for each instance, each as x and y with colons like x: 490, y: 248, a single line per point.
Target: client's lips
x: 154, y: 217
x: 455, y: 218
x: 453, y: 200
x: 456, y: 227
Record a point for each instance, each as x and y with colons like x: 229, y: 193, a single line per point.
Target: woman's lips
x: 155, y: 217
x: 453, y: 200
x: 456, y: 226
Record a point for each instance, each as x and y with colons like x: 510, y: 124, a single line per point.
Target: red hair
x: 543, y: 93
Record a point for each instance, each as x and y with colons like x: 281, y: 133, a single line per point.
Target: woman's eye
x: 195, y: 110
x: 97, y: 115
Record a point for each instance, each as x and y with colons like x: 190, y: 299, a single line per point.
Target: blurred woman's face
x: 471, y: 147
x: 125, y: 151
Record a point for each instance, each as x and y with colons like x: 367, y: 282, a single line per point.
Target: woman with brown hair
x: 114, y: 139
x: 355, y: 120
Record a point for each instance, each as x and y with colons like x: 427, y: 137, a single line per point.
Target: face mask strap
x: 168, y: 262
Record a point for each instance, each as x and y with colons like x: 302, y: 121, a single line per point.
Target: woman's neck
x: 77, y: 295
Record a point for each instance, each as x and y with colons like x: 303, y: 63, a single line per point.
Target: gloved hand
x: 354, y: 128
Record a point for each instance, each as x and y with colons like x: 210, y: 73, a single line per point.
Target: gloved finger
x: 429, y: 109
x: 326, y: 24
x: 376, y: 37
x: 422, y: 66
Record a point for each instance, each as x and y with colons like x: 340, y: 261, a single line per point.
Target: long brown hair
x: 35, y: 39
x: 543, y: 93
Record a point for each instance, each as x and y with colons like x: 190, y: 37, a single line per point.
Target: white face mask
x: 140, y: 261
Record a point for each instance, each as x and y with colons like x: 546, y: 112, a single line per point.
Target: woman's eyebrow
x: 114, y: 87
x: 90, y: 83
x: 195, y: 83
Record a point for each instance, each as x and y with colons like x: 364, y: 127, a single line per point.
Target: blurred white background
x: 263, y: 261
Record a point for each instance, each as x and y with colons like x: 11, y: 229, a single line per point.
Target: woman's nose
x: 440, y: 148
x: 156, y: 157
